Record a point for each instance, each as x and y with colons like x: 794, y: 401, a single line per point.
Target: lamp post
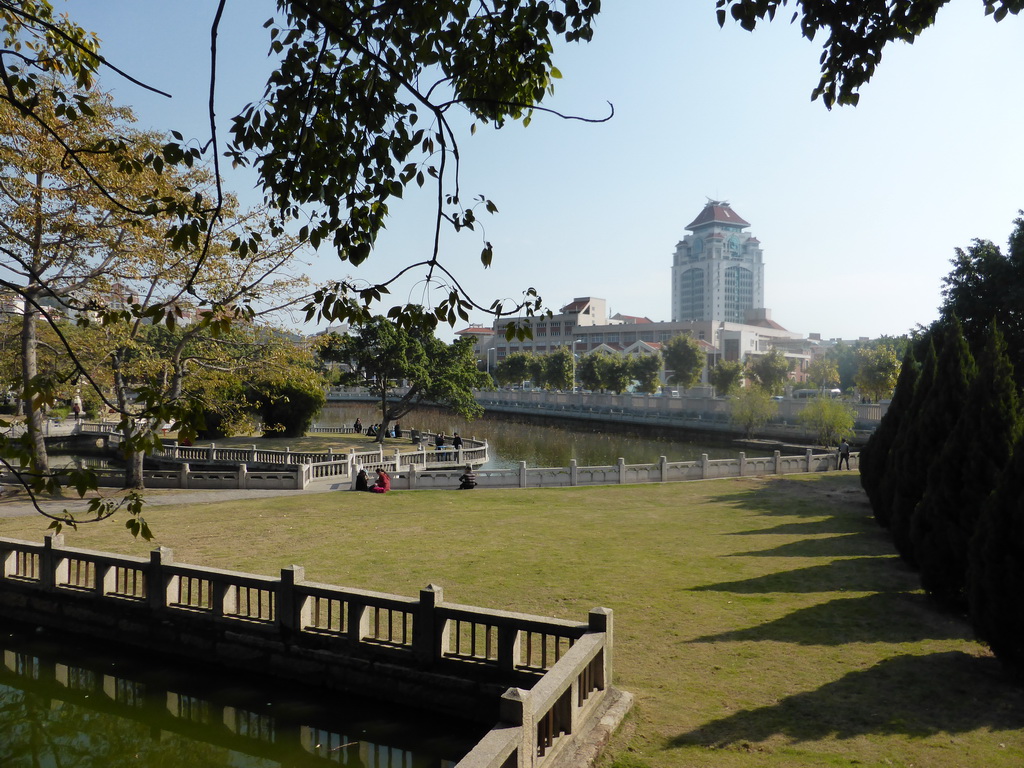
x: 487, y: 361
x: 575, y: 342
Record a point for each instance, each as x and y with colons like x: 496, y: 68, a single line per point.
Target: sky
x: 858, y: 210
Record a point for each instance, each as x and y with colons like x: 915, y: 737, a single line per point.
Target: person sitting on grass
x: 362, y: 481
x: 383, y: 484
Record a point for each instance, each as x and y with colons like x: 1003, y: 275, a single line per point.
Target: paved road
x: 17, y: 505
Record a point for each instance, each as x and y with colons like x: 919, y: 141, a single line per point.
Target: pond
x: 71, y: 704
x: 542, y: 445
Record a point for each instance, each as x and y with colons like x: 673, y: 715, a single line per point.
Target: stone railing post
x: 622, y: 470
x: 601, y: 620
x: 663, y: 469
x: 808, y: 466
x: 429, y: 636
x: 705, y: 466
x: 522, y: 474
x: 293, y: 613
x: 743, y: 464
x: 252, y: 454
x: 211, y: 452
x: 574, y: 473
x: 514, y: 709
x: 413, y: 471
x: 161, y: 589
x: 243, y: 473
x: 778, y: 462
x: 183, y: 475
x: 53, y: 567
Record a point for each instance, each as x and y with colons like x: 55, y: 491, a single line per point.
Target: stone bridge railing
x: 555, y: 674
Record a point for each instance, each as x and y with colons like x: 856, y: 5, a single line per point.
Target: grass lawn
x: 759, y: 622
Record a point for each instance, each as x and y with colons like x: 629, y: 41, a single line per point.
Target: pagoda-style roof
x: 717, y: 212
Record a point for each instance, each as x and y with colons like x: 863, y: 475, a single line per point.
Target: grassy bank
x: 760, y: 622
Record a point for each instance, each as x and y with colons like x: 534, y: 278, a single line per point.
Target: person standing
x: 844, y: 454
x: 358, y: 426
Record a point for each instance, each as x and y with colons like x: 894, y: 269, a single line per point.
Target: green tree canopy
x: 830, y: 420
x: 770, y: 371
x: 726, y: 376
x: 877, y: 371
x: 685, y: 359
x: 823, y: 373
x: 645, y: 370
x: 751, y: 409
x: 403, y: 369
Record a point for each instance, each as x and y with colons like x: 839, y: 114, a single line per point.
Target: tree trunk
x: 34, y: 415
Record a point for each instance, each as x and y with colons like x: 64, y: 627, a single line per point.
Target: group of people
x: 381, y: 485
x: 374, y: 429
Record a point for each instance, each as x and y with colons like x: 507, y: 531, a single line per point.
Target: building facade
x: 717, y: 270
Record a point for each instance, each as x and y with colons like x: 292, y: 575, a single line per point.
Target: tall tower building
x: 717, y: 272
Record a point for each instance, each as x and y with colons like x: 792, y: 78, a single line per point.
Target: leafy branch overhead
x: 857, y: 33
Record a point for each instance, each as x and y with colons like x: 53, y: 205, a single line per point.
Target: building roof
x: 478, y: 330
x: 576, y: 305
x: 717, y: 212
x: 631, y: 319
x: 765, y: 322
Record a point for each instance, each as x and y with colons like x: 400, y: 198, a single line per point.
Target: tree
x: 592, y: 370
x: 934, y: 416
x: 752, y: 409
x: 645, y: 370
x: 985, y: 286
x: 874, y: 457
x: 685, y: 359
x: 726, y: 376
x: 558, y: 369
x: 515, y: 368
x: 618, y: 373
x: 383, y: 355
x: 877, y: 371
x: 770, y: 371
x: 828, y: 419
x: 823, y: 373
x: 972, y: 459
x: 857, y: 33
x: 996, y: 569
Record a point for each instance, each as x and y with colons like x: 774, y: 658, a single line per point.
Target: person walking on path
x: 844, y: 454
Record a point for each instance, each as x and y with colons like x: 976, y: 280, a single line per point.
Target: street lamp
x: 577, y: 341
x: 487, y: 361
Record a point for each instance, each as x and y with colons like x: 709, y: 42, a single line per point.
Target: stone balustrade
x: 555, y: 674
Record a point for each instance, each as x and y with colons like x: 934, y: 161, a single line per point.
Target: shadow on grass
x: 846, y: 620
x: 836, y: 524
x: 914, y: 696
x: 858, y: 574
x: 844, y: 545
x: 807, y: 496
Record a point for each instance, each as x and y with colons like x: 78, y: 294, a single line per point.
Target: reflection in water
x: 552, y: 445
x: 63, y: 706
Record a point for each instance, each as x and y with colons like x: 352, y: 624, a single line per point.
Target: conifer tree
x: 939, y: 410
x: 893, y: 476
x: 977, y: 451
x: 995, y: 577
x: 874, y: 455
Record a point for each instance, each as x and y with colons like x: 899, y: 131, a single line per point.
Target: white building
x: 717, y: 271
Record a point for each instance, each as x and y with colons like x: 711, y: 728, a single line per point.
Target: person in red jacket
x: 383, y: 484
